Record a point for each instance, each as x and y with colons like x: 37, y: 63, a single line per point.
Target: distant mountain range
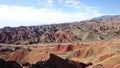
x: 100, y: 28
x: 108, y: 18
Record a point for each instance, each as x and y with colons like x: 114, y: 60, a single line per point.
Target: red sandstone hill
x: 75, y: 45
x: 106, y: 27
x: 52, y: 62
x: 101, y: 53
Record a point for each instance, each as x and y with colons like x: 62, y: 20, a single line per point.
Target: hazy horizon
x: 15, y: 13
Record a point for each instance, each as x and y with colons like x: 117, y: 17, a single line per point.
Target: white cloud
x: 50, y: 1
x: 18, y: 15
x: 73, y: 3
x: 45, y: 3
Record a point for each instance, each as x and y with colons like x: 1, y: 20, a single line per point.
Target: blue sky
x: 37, y: 12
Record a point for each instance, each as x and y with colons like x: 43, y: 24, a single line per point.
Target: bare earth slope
x: 102, y: 53
x: 105, y: 27
x: 93, y: 43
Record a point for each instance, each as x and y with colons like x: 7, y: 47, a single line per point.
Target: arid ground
x: 93, y: 43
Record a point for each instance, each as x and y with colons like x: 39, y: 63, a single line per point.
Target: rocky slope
x: 101, y: 54
x: 92, y: 43
x: 53, y: 62
x: 105, y: 27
